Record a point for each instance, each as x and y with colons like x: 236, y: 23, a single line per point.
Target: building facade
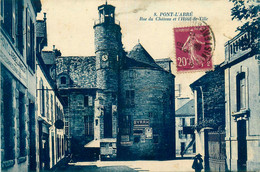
x: 76, y: 79
x: 18, y: 81
x: 30, y: 105
x: 50, y: 130
x: 185, y: 117
x: 242, y: 90
x: 209, y: 91
x: 118, y: 102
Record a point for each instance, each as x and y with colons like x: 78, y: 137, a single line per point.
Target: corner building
x: 132, y: 96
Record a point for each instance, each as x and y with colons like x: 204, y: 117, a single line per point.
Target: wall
x: 77, y: 111
x: 184, y: 138
x: 209, y: 110
x: 19, y: 81
x: 49, y: 110
x: 81, y: 70
x: 153, y: 103
x: 251, y: 67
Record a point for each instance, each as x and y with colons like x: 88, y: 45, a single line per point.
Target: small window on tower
x: 130, y: 95
x: 63, y: 80
x: 86, y: 101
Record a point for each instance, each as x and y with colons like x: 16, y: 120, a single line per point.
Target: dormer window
x: 63, y: 80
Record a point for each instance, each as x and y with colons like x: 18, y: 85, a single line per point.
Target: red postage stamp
x: 194, y: 46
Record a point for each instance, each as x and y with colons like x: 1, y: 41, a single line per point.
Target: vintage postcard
x: 130, y: 85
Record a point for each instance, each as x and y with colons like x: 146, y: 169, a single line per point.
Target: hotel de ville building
x: 118, y: 104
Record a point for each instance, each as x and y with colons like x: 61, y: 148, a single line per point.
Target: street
x: 131, y: 166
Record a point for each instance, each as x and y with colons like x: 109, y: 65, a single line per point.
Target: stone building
x: 209, y: 91
x: 76, y: 80
x: 17, y: 82
x: 185, y: 118
x: 50, y: 131
x: 242, y: 93
x: 118, y: 104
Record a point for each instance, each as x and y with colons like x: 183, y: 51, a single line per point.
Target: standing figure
x: 192, y: 45
x: 197, y: 163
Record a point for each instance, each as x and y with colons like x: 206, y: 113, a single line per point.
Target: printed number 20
x: 182, y: 61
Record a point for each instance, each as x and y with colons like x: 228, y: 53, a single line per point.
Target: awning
x: 93, y: 144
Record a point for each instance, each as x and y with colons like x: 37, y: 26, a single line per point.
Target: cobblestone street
x: 118, y: 166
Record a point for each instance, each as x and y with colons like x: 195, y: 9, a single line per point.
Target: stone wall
x: 107, y: 36
x: 210, y: 98
x: 77, y: 112
x: 15, y: 120
x: 153, y: 106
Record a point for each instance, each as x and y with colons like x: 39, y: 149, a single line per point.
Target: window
x: 182, y: 122
x: 42, y: 98
x: 89, y: 128
x: 22, y: 132
x: 63, y: 80
x: 59, y: 113
x: 130, y: 94
x: 241, y: 91
x: 126, y: 124
x: 52, y: 108
x: 131, y: 74
x: 58, y: 147
x: 62, y: 146
x: 88, y: 101
x: 47, y: 103
x: 181, y: 135
x: 192, y: 121
x: 30, y: 42
x: 67, y: 128
x: 8, y: 118
x: 8, y: 17
x: 19, y: 35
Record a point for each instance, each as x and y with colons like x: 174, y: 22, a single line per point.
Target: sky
x: 70, y: 27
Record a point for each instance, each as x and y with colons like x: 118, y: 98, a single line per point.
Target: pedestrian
x: 197, y: 163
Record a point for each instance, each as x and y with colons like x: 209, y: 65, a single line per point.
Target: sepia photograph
x: 129, y: 85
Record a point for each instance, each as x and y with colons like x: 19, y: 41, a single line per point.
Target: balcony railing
x: 238, y: 46
x: 96, y: 22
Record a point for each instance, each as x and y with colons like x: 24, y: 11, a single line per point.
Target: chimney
x: 44, y: 16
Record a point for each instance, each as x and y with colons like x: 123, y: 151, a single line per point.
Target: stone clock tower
x: 109, y: 51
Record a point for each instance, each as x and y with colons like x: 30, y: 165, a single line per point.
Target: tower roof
x: 139, y: 54
x: 107, y: 6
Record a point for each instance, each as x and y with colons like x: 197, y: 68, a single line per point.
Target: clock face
x: 105, y: 57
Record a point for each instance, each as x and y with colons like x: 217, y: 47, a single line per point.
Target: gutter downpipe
x: 230, y: 150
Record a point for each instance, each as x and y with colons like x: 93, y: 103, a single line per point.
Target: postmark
x: 194, y: 47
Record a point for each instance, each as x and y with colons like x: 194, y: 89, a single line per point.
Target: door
x: 182, y: 148
x: 242, y: 145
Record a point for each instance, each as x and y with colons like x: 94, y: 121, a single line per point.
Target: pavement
x: 131, y: 166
